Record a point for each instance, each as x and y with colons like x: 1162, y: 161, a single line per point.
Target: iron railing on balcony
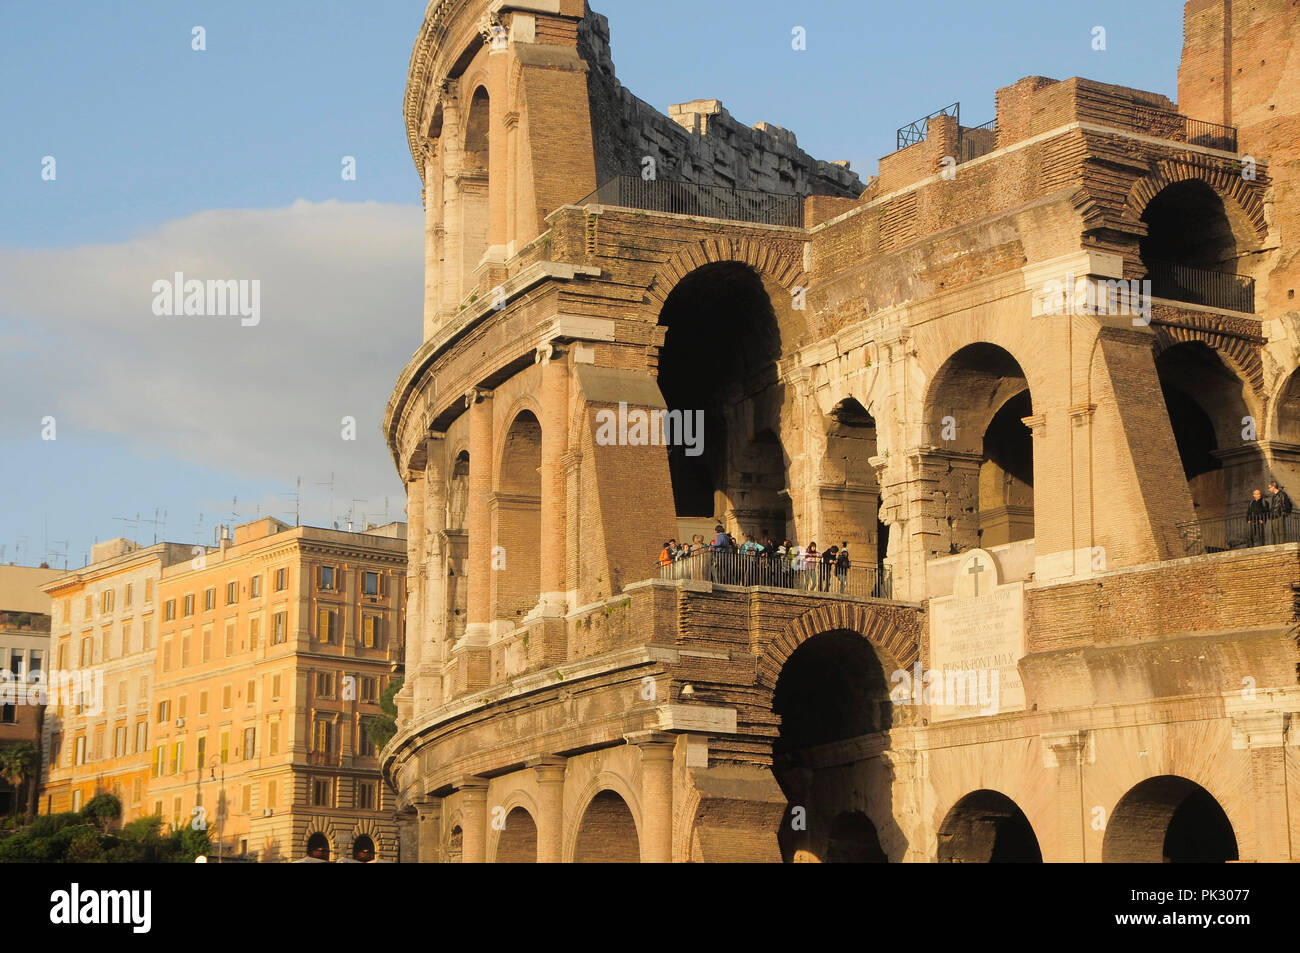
x: 978, y: 140
x: 1164, y: 124
x: 1224, y: 533
x: 745, y: 569
x: 705, y: 201
x: 916, y: 131
x: 1213, y: 289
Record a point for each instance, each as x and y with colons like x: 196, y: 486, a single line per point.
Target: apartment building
x: 272, y: 650
x: 103, y: 635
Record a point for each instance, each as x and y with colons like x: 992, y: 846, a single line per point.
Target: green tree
x: 381, y: 728
x: 104, y: 811
x: 19, y: 762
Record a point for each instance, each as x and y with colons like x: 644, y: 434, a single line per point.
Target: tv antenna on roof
x: 296, y: 496
x: 55, y: 553
x: 330, y: 484
x: 127, y: 523
x: 159, y: 525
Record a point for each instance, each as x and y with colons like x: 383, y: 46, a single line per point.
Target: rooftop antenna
x: 55, y: 553
x: 352, y: 512
x: 198, y: 528
x: 21, y: 548
x: 127, y: 522
x: 234, y: 510
x: 330, y: 484
x: 296, y: 497
x: 159, y: 524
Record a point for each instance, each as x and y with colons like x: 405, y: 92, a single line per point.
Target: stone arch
x: 850, y: 501
x: 607, y: 831
x: 452, y: 847
x: 1246, y: 198
x: 367, y: 827
x: 1171, y: 819
x: 782, y: 264
x: 516, y: 843
x: 516, y: 507
x: 853, y: 839
x: 1284, y: 409
x: 1240, y: 352
x: 986, y: 826
x: 893, y: 632
x: 603, y: 780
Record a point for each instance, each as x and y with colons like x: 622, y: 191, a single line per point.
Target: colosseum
x: 1029, y: 377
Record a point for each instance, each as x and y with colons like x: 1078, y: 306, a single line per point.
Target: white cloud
x: 341, y: 299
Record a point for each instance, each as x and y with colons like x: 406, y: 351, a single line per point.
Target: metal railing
x: 1224, y: 533
x: 1213, y: 289
x: 705, y: 201
x: 978, y: 140
x: 915, y: 132
x: 1164, y: 124
x: 746, y: 569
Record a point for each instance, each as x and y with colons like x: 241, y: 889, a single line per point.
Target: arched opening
x: 474, y: 185
x: 517, y: 521
x: 726, y: 327
x: 983, y: 452
x: 454, y: 849
x: 318, y: 846
x: 850, y: 490
x: 1207, y: 408
x: 1169, y: 819
x: 517, y: 843
x: 363, y: 849
x: 853, y: 840
x: 457, y: 548
x: 607, y: 832
x: 1190, y: 251
x: 986, y: 827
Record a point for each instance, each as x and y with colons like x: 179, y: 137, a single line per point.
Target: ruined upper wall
x: 697, y: 142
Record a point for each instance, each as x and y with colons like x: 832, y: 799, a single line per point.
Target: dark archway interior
x: 363, y: 848
x: 719, y: 356
x: 607, y: 833
x: 318, y: 845
x: 1008, y: 443
x: 986, y: 827
x: 517, y: 843
x: 518, y: 531
x: 1188, y: 225
x: 476, y: 131
x: 455, y: 845
x: 853, y: 840
x: 1169, y: 819
x: 851, y: 502
x: 1193, y: 432
x: 831, y: 688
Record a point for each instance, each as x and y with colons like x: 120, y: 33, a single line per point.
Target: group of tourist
x: 1266, y: 517
x: 754, y: 563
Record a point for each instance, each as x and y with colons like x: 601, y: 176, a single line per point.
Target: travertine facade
x: 1048, y: 493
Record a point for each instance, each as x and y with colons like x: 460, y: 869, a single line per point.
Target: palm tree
x: 18, y: 763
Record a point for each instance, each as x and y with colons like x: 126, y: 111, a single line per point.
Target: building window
x: 182, y: 706
x: 126, y: 639
x: 187, y: 608
x: 255, y: 587
x: 370, y: 631
x: 370, y: 583
x: 76, y: 800
x: 169, y: 610
x: 137, y: 790
x: 369, y: 688
x: 63, y: 654
x: 146, y: 636
x: 87, y: 652
x: 246, y: 799
x: 275, y: 688
x: 254, y: 633
x: 324, y: 736
x: 119, y: 741
x: 141, y: 737
x: 202, y: 749
x: 279, y: 627
x: 365, y: 747
x: 281, y: 580
x: 178, y: 757
x: 8, y: 714
x: 90, y: 607
x: 148, y: 590
x: 164, y: 711
x: 273, y: 739
x: 232, y: 593
x: 209, y: 599
x: 272, y: 789
x: 250, y: 692
x: 203, y: 703
x: 185, y: 650
x: 35, y: 659
x: 97, y: 749
x: 225, y: 747
x: 230, y: 639
x: 320, y: 792
x: 324, y: 684
x: 106, y: 600
x: 126, y: 596
x: 166, y: 654
x: 250, y: 743
x: 121, y: 696
x: 79, y: 750
x: 327, y: 577
x: 159, y: 761
x: 225, y: 698
x: 207, y: 645
x: 56, y: 747
x: 326, y: 625
x: 365, y: 795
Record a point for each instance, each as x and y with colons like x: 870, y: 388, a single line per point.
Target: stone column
x: 473, y: 819
x: 1064, y: 751
x: 550, y: 808
x: 431, y: 627
x: 478, y: 518
x: 657, y: 749
x: 453, y: 237
x: 1263, y: 736
x: 408, y: 701
x: 498, y: 146
x: 429, y: 830
x: 555, y: 406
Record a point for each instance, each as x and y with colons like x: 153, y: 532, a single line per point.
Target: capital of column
x: 549, y: 768
x: 1037, y: 423
x: 1063, y: 749
x: 654, y: 745
x: 1253, y: 730
x: 476, y: 395
x: 550, y: 351
x: 471, y: 787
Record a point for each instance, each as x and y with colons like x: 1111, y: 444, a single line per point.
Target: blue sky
x: 228, y: 160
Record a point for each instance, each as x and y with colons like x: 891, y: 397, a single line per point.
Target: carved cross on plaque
x: 975, y: 570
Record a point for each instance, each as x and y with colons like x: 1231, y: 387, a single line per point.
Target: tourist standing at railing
x: 842, y: 566
x: 723, y: 546
x: 1256, y: 513
x: 827, y: 569
x: 769, y: 562
x: 797, y: 565
x: 749, y: 552
x: 1279, y: 509
x: 812, y: 563
x: 785, y: 563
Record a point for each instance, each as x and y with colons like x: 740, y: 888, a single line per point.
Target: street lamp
x: 212, y: 776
